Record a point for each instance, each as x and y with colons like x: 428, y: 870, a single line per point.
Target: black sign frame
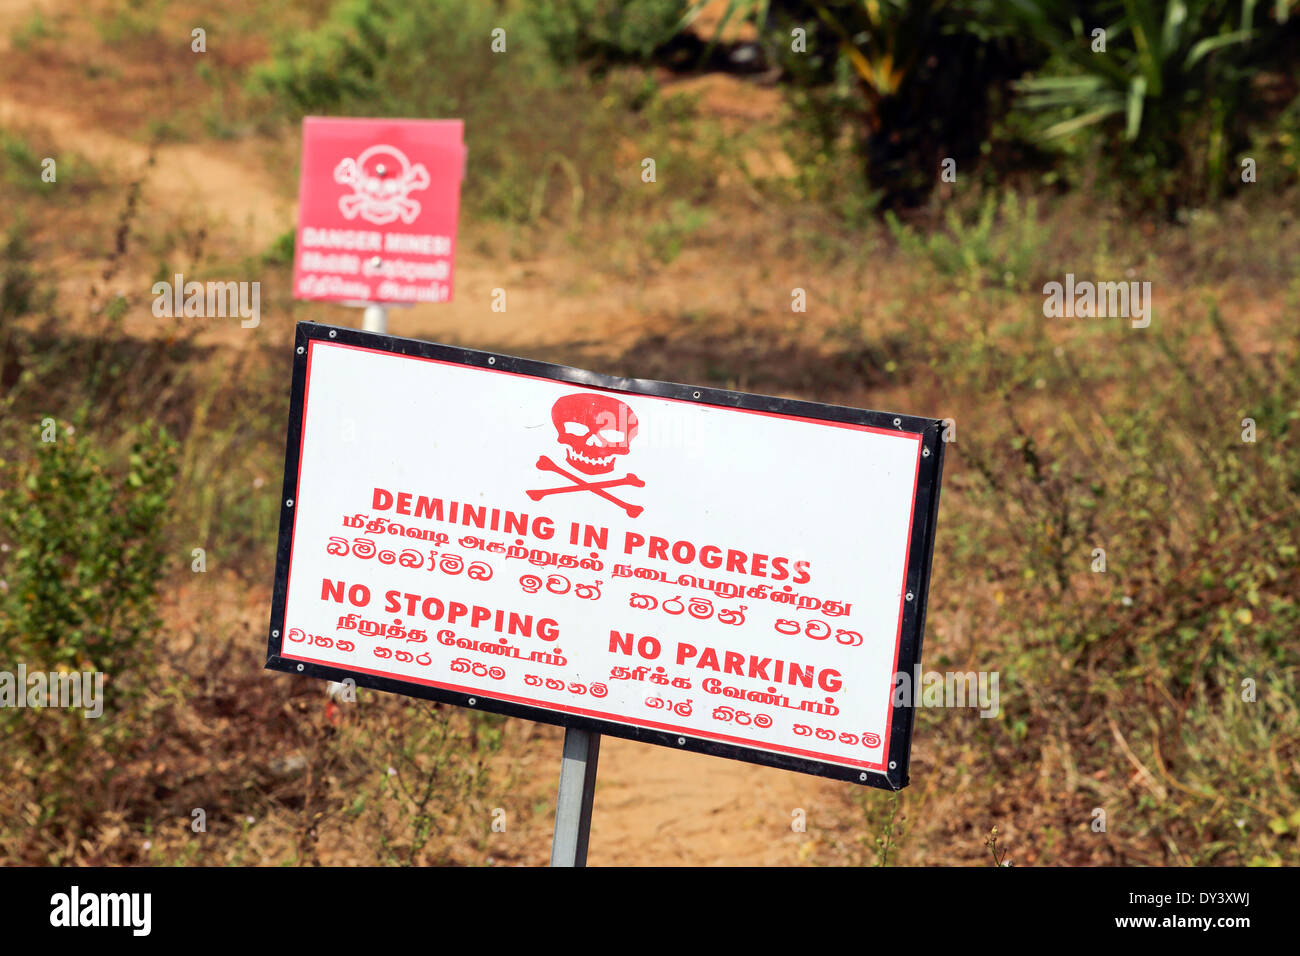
x: 925, y: 510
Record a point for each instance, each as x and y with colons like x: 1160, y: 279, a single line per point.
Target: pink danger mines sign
x: 378, y: 203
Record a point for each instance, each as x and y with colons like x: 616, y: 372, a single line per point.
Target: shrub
x: 1170, y: 97
x: 85, y: 550
x: 81, y: 556
x: 318, y: 70
x: 920, y: 81
x: 606, y: 30
x: 1001, y: 247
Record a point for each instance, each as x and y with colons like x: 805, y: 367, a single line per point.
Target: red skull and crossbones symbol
x: 595, y: 430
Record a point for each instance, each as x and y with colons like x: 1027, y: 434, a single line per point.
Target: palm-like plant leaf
x: 1157, y: 52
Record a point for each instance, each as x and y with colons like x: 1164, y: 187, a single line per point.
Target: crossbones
x: 579, y: 484
x: 380, y: 179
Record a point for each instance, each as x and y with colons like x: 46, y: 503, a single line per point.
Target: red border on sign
x: 621, y: 719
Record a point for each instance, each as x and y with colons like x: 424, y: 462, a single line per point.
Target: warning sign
x: 703, y: 569
x: 377, y: 209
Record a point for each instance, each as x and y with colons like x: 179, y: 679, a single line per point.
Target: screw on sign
x: 595, y: 429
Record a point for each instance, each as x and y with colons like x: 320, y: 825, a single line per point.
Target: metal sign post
x: 375, y: 318
x: 573, y: 803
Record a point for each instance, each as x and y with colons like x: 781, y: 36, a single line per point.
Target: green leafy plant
x: 317, y: 70
x: 1169, y: 92
x: 81, y: 559
x: 606, y: 30
x: 85, y: 549
x: 666, y: 237
x: 999, y: 247
x: 432, y: 778
x: 920, y: 80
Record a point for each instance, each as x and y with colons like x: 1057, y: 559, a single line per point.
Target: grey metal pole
x: 573, y: 804
x: 375, y: 318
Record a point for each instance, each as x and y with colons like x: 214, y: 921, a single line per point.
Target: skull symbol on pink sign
x: 381, y: 178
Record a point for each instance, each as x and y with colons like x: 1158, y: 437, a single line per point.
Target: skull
x: 595, y: 428
x: 380, y: 179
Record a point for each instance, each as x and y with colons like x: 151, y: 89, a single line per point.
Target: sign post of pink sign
x: 378, y: 203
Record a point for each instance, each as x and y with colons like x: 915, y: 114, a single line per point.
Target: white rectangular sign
x: 727, y: 573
